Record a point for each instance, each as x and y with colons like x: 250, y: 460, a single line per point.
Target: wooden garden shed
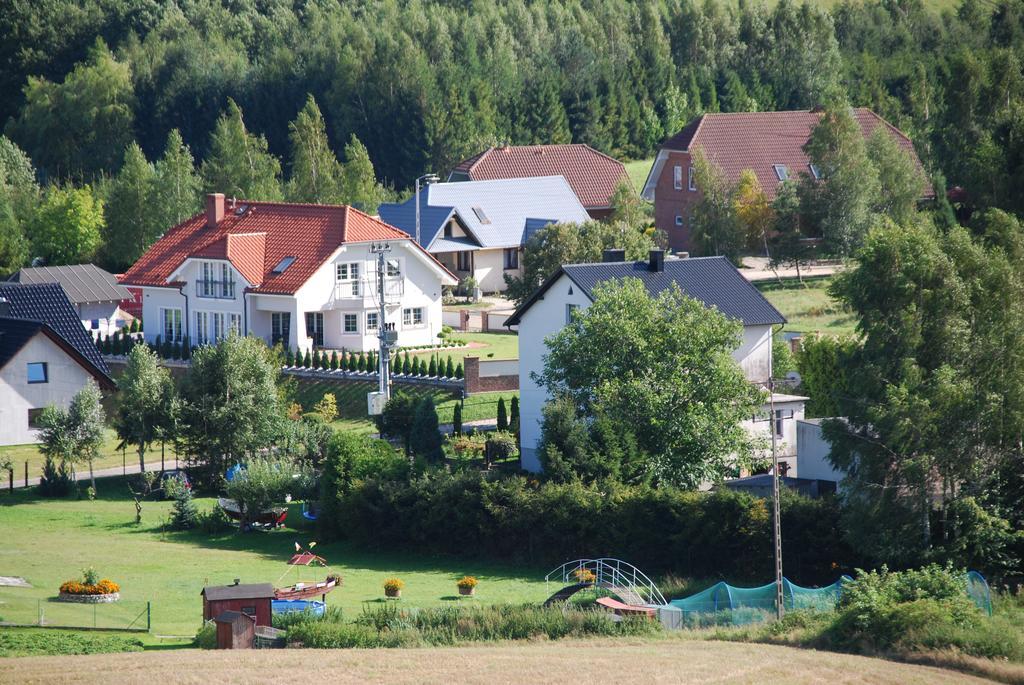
x: 235, y: 630
x: 252, y: 600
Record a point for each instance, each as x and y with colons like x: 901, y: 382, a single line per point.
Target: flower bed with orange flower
x: 90, y: 593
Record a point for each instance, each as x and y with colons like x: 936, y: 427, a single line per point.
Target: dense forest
x: 130, y: 103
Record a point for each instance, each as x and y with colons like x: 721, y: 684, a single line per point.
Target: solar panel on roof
x: 283, y: 264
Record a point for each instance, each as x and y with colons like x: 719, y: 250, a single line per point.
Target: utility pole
x: 427, y: 179
x: 776, y: 510
x: 385, y: 331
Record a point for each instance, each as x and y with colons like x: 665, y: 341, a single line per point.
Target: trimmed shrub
x: 457, y: 419
x: 334, y: 360
x: 449, y: 368
x: 425, y: 438
x: 432, y: 368
x: 459, y: 372
x: 502, y: 415
x: 307, y: 360
x: 289, y: 358
x: 353, y: 362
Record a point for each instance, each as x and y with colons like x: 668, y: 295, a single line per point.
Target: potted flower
x: 393, y: 587
x: 467, y: 586
x: 584, y: 575
x: 90, y: 589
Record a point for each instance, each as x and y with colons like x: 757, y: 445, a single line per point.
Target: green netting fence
x: 124, y: 615
x: 724, y: 604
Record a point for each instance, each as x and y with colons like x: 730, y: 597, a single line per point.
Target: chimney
x: 214, y: 209
x: 656, y: 262
x: 613, y: 255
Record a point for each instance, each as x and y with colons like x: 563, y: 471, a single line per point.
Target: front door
x: 315, y: 328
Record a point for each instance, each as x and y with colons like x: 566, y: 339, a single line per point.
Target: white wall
x: 489, y: 269
x: 812, y: 453
x: 544, y: 318
x: 792, y: 408
x: 65, y: 378
x: 755, y: 353
x: 106, y: 313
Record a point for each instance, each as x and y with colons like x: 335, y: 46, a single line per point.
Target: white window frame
x: 346, y: 275
x: 393, y: 268
x: 175, y: 323
x: 781, y: 172
x: 679, y: 220
x: 283, y: 336
x: 815, y: 171
x: 202, y: 328
x: 677, y: 176
x: 345, y: 319
x: 413, y: 317
x: 235, y: 324
x: 691, y: 181
x: 569, y: 309
x: 374, y: 317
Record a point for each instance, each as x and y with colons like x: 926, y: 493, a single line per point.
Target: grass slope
x: 638, y: 171
x: 606, y: 661
x: 50, y: 541
x: 808, y: 307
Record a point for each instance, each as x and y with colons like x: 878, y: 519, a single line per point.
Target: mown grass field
x: 638, y: 171
x: 808, y: 307
x: 50, y: 541
x: 483, y: 345
x: 664, y: 660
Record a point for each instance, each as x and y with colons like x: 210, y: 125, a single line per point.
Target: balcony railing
x: 394, y: 289
x: 219, y: 290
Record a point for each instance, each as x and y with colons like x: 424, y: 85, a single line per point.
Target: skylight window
x: 781, y: 172
x: 481, y: 217
x: 242, y: 209
x: 815, y: 171
x: 283, y: 264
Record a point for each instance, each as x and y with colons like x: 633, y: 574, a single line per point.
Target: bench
x: 621, y: 609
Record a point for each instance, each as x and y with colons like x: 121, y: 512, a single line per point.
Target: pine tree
x: 432, y: 369
x: 502, y: 415
x: 417, y: 366
x: 316, y: 359
x: 334, y: 360
x: 459, y: 373
x: 545, y: 119
x: 449, y: 368
x: 177, y: 185
x: 362, y: 361
x: 239, y: 164
x: 307, y: 360
x: 406, y: 364
x: 353, y: 361
x: 457, y: 419
x: 315, y: 173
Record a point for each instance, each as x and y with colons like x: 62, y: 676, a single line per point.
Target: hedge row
x: 723, y: 534
x: 435, y: 367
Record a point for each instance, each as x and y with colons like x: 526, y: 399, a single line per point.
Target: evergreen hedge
x: 722, y: 534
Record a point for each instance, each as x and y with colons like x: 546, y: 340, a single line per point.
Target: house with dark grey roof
x: 478, y: 228
x: 46, y: 356
x: 713, y: 281
x: 94, y: 293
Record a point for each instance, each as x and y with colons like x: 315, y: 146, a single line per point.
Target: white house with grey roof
x: 712, y: 280
x: 478, y: 228
x: 93, y: 292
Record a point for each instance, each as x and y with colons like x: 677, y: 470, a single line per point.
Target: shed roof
x: 712, y: 280
x: 250, y: 591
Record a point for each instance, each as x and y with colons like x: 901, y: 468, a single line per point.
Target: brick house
x: 592, y: 175
x: 769, y: 143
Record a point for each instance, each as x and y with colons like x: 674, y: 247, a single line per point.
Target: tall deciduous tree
x: 315, y: 173
x: 87, y: 419
x: 660, y: 368
x: 146, y: 402
x: 753, y: 211
x: 901, y: 184
x: 132, y: 220
x: 13, y: 245
x: 359, y: 186
x: 839, y: 203
x: 66, y: 228
x: 789, y: 244
x: 80, y: 127
x: 177, y: 184
x: 239, y: 164
x: 230, y: 407
x: 717, y: 229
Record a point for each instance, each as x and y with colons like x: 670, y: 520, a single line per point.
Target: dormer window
x: 781, y: 172
x: 815, y: 171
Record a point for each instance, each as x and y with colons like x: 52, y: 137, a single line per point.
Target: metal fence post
x: 10, y: 479
x: 39, y: 610
x: 26, y: 473
x: 149, y: 624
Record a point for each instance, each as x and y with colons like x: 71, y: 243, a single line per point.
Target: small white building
x: 95, y: 294
x: 301, y: 275
x: 46, y: 357
x: 478, y: 228
x: 812, y: 460
x: 712, y: 280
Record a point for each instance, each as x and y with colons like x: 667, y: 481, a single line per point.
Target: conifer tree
x: 513, y: 416
x: 457, y: 419
x: 459, y: 373
x: 425, y: 437
x: 449, y: 368
x: 177, y: 185
x: 432, y: 369
x: 131, y: 225
x: 502, y: 415
x: 359, y: 186
x: 307, y: 360
x: 289, y: 358
x: 334, y: 360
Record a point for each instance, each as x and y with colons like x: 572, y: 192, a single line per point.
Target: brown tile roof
x: 760, y: 140
x: 256, y: 240
x: 592, y: 175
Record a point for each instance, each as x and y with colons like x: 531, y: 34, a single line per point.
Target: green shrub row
x: 389, y: 625
x: 18, y: 642
x: 435, y: 367
x: 722, y: 534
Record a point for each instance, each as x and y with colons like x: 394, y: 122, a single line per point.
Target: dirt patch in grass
x: 648, y: 661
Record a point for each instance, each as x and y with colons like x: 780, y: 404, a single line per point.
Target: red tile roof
x: 256, y: 240
x: 592, y: 175
x: 760, y: 140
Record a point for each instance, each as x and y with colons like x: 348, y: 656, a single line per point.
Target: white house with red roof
x: 296, y: 274
x: 768, y: 143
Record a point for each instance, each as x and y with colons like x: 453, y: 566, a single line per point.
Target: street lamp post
x: 427, y: 180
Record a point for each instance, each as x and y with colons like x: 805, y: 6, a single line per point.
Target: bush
x: 184, y: 513
x: 215, y: 521
x: 56, y: 479
x: 206, y: 637
x: 500, y: 446
x: 425, y: 437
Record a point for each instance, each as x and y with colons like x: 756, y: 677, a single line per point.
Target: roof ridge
x: 479, y: 158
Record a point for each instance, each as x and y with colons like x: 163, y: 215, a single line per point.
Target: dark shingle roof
x: 14, y: 333
x: 48, y: 303
x: 251, y: 591
x: 82, y: 282
x: 712, y: 280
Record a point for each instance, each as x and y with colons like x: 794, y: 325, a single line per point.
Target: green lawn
x: 109, y: 456
x: 50, y: 541
x: 483, y: 345
x: 638, y: 171
x: 808, y: 307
